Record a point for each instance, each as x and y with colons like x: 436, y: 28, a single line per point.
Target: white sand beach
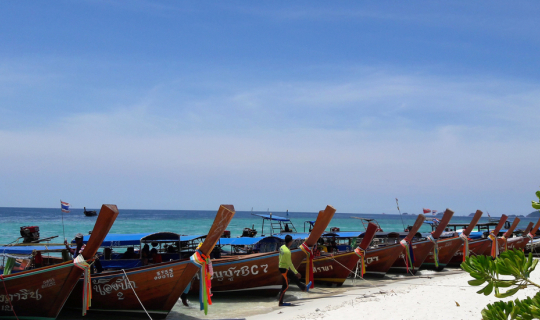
x: 433, y: 296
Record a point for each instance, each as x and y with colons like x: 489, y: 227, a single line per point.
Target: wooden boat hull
x: 332, y: 269
x: 157, y: 286
x: 421, y: 251
x: 39, y: 293
x: 518, y: 243
x: 477, y: 247
x: 447, y: 248
x: 380, y: 260
x: 257, y: 272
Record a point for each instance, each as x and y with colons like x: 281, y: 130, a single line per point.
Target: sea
x: 53, y: 223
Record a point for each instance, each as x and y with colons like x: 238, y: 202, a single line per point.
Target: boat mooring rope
x: 7, y: 296
x: 136, y: 294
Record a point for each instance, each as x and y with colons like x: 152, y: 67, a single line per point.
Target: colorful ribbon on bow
x: 409, y: 255
x: 531, y: 237
x: 309, y: 264
x: 80, y: 263
x: 435, y: 250
x: 465, y: 239
x: 494, y: 245
x: 505, y: 241
x: 205, y: 283
x: 361, y: 253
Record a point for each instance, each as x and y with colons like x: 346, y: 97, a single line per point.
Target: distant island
x: 534, y: 214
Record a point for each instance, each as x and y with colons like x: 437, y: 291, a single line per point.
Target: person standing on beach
x: 288, y: 271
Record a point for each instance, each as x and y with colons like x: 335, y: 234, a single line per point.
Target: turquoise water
x: 179, y: 221
x: 198, y: 222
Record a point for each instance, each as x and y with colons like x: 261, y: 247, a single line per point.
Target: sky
x: 271, y: 105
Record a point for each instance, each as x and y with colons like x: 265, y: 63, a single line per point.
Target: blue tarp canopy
x: 344, y: 234
x: 293, y: 235
x: 112, y: 240
x: 243, y: 241
x: 476, y: 235
x: 132, y: 239
x: 273, y: 217
x: 29, y: 249
x: 428, y: 222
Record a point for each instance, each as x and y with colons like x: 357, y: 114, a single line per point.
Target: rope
x: 136, y: 294
x: 463, y: 237
x: 435, y: 249
x: 205, y: 284
x: 7, y: 296
x: 309, y: 264
x: 361, y: 253
x: 494, y: 245
x: 409, y: 255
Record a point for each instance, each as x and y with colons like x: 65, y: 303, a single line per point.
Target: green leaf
x: 488, y: 289
x: 504, y: 283
x: 507, y: 293
x: 476, y: 282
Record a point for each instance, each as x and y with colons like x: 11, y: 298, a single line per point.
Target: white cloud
x: 355, y: 144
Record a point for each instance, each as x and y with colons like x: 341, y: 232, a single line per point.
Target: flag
x: 436, y: 221
x: 427, y: 210
x: 434, y: 211
x: 64, y: 206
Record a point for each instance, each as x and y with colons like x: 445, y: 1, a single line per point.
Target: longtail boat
x: 334, y: 268
x: 41, y: 293
x: 422, y: 249
x: 479, y: 246
x: 526, y: 237
x: 448, y: 247
x: 259, y: 271
x: 380, y: 258
x: 505, y: 239
x: 157, y: 286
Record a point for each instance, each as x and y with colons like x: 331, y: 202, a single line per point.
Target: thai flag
x: 64, y: 206
x: 436, y: 221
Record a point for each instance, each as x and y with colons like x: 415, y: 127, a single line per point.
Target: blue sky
x: 280, y: 105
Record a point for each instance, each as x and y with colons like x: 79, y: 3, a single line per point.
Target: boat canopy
x: 272, y: 217
x: 242, y: 241
x: 132, y: 239
x: 295, y: 236
x: 27, y: 250
x: 345, y: 234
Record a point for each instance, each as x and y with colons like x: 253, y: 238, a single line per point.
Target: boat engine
x: 30, y: 233
x: 226, y: 234
x: 249, y: 232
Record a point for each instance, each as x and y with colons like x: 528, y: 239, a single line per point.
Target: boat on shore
x: 422, y: 248
x: 259, y: 271
x: 41, y: 293
x: 449, y: 244
x: 158, y: 286
x: 387, y: 247
x: 481, y: 244
x: 334, y: 268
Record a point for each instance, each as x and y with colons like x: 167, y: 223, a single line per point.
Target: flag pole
x: 402, y: 223
x: 63, y: 230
